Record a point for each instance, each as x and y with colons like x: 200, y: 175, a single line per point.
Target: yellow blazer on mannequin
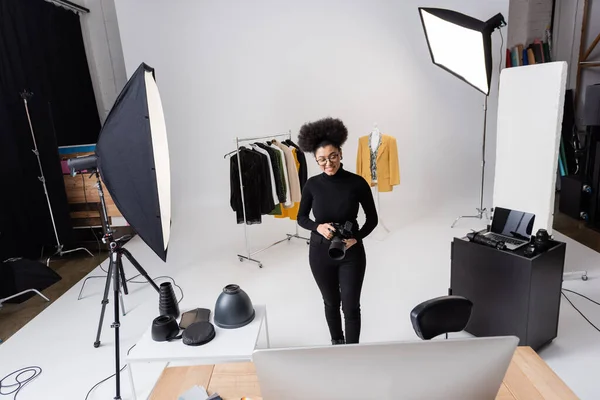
x: 388, y: 170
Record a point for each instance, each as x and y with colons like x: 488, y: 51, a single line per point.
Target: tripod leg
x: 104, y: 302
x: 122, y: 303
x: 123, y: 280
x: 116, y: 325
x: 140, y: 269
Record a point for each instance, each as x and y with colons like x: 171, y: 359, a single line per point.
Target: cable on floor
x: 159, y: 277
x: 19, y: 381
x: 576, y: 309
x: 105, y: 379
x: 581, y: 295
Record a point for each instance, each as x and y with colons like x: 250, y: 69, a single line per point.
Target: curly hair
x: 326, y: 131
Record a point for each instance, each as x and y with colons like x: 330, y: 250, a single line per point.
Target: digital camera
x: 337, y: 248
x: 486, y: 241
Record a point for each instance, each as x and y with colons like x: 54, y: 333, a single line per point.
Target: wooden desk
x: 528, y: 378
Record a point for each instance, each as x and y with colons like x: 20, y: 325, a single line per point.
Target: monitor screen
x: 512, y: 223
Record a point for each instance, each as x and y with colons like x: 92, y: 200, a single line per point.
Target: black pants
x: 339, y: 281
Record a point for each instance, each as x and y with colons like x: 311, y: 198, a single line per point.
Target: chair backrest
x: 441, y: 315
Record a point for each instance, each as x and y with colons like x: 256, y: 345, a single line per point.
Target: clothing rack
x: 289, y: 236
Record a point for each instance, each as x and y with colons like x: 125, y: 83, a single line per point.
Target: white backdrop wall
x: 236, y: 68
x: 104, y: 53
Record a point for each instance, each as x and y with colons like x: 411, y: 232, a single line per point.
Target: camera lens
x: 337, y: 249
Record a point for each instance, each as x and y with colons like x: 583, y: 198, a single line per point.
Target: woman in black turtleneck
x: 334, y: 196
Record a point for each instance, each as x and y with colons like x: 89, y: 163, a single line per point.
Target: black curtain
x: 42, y: 52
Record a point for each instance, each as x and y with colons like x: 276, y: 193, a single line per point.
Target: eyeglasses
x: 333, y: 157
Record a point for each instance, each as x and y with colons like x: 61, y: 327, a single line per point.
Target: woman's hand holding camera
x: 326, y: 230
x: 350, y: 242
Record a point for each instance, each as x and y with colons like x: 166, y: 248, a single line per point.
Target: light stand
x: 4, y: 300
x: 132, y: 156
x: 481, y: 211
x: 470, y: 62
x: 116, y: 273
x: 59, y: 246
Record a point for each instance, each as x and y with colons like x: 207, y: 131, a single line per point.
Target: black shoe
x: 338, y: 341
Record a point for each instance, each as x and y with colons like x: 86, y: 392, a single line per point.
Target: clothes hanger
x: 292, y: 144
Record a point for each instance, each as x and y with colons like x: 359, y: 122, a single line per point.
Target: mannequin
x: 374, y: 142
x: 377, y: 160
x: 375, y: 138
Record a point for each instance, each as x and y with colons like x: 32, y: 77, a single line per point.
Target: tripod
x: 117, y: 275
x: 59, y: 246
x: 481, y: 211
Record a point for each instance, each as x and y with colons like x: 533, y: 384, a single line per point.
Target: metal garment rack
x: 249, y: 254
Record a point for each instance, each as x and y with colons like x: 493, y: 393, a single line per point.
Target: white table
x: 229, y: 345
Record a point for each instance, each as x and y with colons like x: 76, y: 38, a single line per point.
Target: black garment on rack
x: 279, y: 183
x: 268, y: 203
x: 303, y: 172
x: 258, y: 197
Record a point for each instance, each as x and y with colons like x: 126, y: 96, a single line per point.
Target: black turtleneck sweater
x: 336, y: 199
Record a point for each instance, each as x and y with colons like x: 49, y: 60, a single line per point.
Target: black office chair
x: 441, y: 315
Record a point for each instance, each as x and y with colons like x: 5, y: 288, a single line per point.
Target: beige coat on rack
x: 388, y: 170
x: 292, y: 172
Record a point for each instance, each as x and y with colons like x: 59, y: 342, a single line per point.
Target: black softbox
x: 133, y: 160
x: 17, y: 275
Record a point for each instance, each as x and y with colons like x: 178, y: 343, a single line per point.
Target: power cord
x: 19, y: 384
x: 159, y: 277
x: 581, y: 295
x: 105, y: 379
x: 576, y: 309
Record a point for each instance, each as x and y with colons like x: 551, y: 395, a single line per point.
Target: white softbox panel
x: 530, y: 113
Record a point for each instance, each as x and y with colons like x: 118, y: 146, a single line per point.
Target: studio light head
x: 78, y: 165
x: 461, y: 45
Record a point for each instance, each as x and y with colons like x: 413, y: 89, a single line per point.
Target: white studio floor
x: 411, y: 265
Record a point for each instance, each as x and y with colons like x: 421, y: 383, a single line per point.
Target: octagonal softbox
x: 133, y: 159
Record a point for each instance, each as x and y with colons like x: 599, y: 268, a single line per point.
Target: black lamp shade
x: 234, y: 308
x: 164, y: 328
x: 167, y: 302
x: 460, y: 44
x: 133, y: 159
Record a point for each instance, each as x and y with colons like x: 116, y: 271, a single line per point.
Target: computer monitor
x: 453, y: 369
